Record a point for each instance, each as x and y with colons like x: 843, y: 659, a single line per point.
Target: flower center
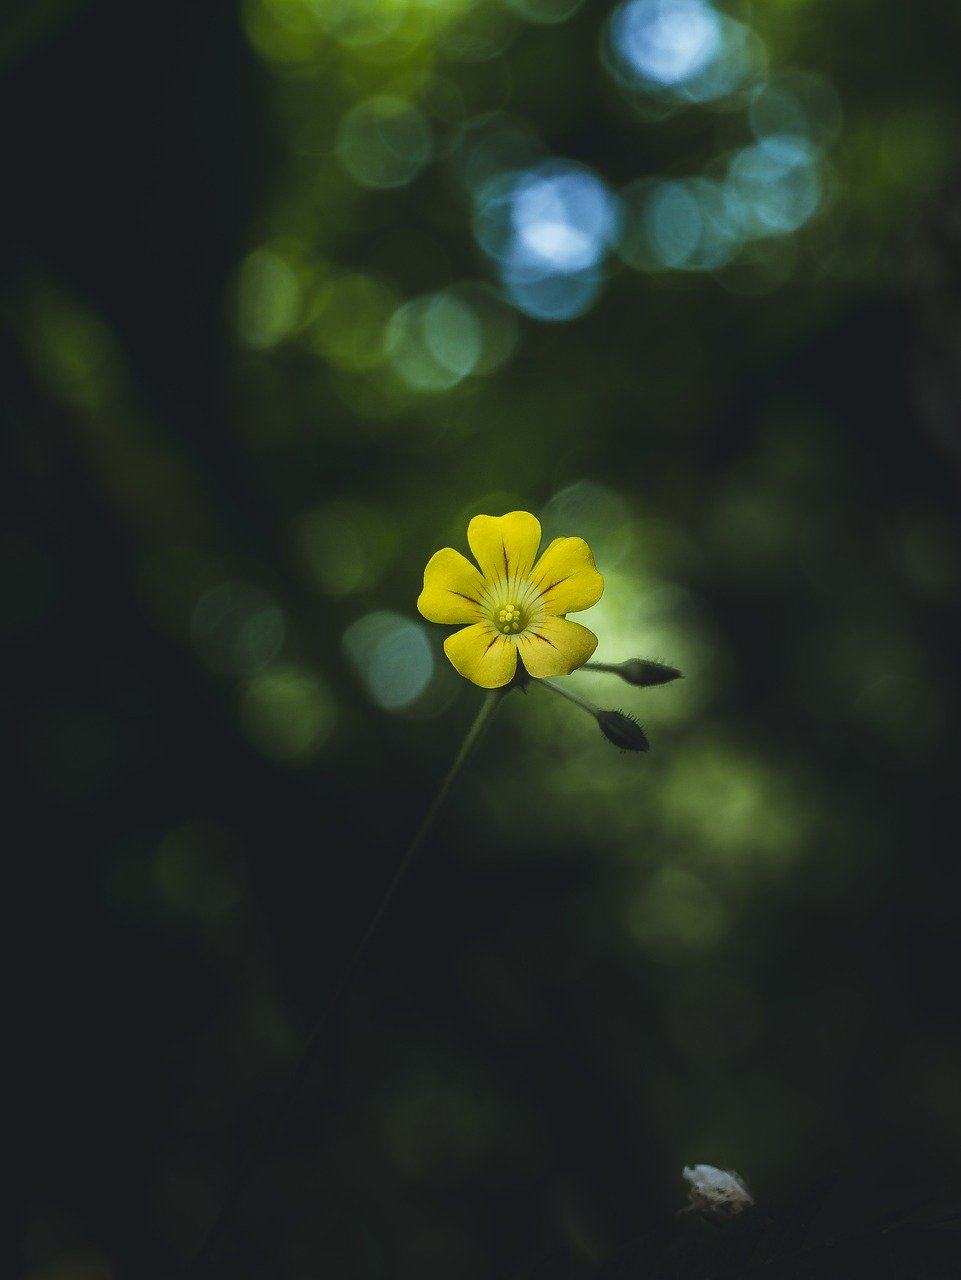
x: 509, y: 618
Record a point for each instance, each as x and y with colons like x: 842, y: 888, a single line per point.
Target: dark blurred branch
x: 315, y: 1041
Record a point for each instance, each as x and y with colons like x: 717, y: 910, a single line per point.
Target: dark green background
x: 739, y: 949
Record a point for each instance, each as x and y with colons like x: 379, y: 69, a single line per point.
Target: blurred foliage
x: 294, y: 292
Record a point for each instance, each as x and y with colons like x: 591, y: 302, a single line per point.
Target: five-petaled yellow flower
x: 514, y: 606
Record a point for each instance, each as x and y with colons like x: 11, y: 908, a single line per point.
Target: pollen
x: 509, y: 620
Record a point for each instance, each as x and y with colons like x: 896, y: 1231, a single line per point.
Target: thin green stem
x: 613, y: 667
x: 315, y: 1041
x: 571, y: 696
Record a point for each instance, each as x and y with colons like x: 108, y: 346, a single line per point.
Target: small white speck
x: 717, y: 1193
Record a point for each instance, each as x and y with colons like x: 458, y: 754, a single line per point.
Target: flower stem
x: 315, y: 1041
x: 571, y: 696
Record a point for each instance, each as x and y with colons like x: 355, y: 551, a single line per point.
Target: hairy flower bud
x: 623, y: 730
x: 642, y: 671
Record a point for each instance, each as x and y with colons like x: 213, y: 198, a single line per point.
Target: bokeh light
x: 384, y: 142
x: 769, y: 189
x: 545, y: 12
x: 393, y: 657
x: 774, y: 186
x: 664, y: 43
x: 682, y: 225
x: 284, y: 31
x: 562, y: 218
x: 434, y: 342
x: 553, y: 219
x: 351, y: 313
x: 342, y: 546
x: 681, y: 50
x: 287, y: 713
x: 498, y: 324
x: 561, y: 296
x: 237, y: 628
x: 360, y: 23
x: 548, y: 230
x: 268, y: 299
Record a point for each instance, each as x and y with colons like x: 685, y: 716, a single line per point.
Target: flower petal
x: 482, y: 656
x: 566, y: 577
x: 556, y: 647
x: 452, y: 588
x: 505, y: 546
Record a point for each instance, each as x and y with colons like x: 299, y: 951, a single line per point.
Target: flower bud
x: 642, y: 671
x: 623, y: 730
x: 717, y: 1193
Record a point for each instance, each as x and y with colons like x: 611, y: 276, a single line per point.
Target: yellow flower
x: 514, y: 606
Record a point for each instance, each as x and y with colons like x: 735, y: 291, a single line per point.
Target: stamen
x: 509, y: 619
x: 512, y: 605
